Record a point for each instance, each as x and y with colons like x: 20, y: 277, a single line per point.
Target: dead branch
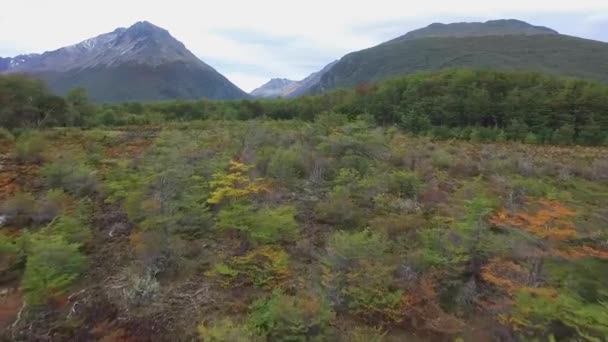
x: 16, y: 322
x: 76, y: 294
x: 72, y: 310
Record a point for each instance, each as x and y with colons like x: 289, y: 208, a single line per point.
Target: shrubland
x: 344, y: 219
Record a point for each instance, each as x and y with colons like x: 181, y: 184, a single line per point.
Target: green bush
x: 19, y: 210
x: 434, y: 251
x: 71, y: 229
x: 52, y: 266
x: 6, y: 135
x: 531, y: 138
x: 29, y: 147
x: 564, y: 135
x: 359, y: 277
x: 369, y: 290
x: 444, y: 132
x: 225, y: 330
x: 442, y: 159
x: 361, y: 164
x: 23, y: 209
x: 71, y: 176
x: 484, y: 134
x: 11, y: 257
x: 346, y: 246
x: 415, y: 122
x: 339, y: 209
x: 193, y: 223
x: 109, y: 118
x: 266, y: 225
x: 346, y: 178
x: 364, y: 334
x: 328, y: 121
x: 517, y: 130
x: 404, y: 184
x: 291, y: 318
x: 274, y: 224
x: 265, y: 266
x: 580, y: 320
x: 50, y: 206
x: 286, y: 165
x: 236, y: 216
x: 133, y: 205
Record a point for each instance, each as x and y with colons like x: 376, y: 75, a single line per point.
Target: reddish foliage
x: 107, y: 332
x: 8, y: 186
x: 15, y: 178
x: 504, y: 274
x: 583, y: 252
x: 365, y: 88
x: 424, y: 311
x: 551, y: 221
x: 132, y: 144
x: 433, y: 197
x: 129, y: 149
x: 58, y: 301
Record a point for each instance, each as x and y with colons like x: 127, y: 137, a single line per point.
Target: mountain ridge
x: 142, y: 56
x: 282, y: 87
x: 520, y: 46
x: 144, y: 62
x: 274, y: 88
x: 500, y: 27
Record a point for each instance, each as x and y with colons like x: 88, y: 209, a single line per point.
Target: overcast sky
x: 251, y: 41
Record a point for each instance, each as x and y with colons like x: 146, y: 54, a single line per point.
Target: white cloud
x: 309, y: 33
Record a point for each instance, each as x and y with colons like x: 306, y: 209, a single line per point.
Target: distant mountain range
x: 282, y: 87
x: 497, y: 44
x: 140, y: 63
x: 276, y: 87
x: 145, y: 63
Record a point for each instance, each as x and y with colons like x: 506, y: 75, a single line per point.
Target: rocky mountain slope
x: 140, y: 63
x: 276, y: 87
x: 282, y: 87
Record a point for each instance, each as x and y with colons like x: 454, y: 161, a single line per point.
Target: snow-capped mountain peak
x: 140, y: 63
x: 141, y: 43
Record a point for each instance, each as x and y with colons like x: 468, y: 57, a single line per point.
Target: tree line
x: 480, y: 105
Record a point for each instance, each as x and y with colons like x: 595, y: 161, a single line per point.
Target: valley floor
x: 285, y: 230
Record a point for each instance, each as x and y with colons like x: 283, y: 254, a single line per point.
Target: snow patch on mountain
x: 142, y: 43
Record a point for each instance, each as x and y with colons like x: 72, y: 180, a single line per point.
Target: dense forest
x: 452, y: 206
x: 467, y: 104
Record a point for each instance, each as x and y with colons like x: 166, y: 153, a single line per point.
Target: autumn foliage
x: 550, y: 221
x: 355, y: 233
x: 424, y: 311
x: 234, y: 184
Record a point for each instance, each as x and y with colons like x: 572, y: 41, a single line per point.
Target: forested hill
x: 458, y: 103
x: 472, y: 45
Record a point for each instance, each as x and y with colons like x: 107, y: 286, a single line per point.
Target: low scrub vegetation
x: 318, y: 226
